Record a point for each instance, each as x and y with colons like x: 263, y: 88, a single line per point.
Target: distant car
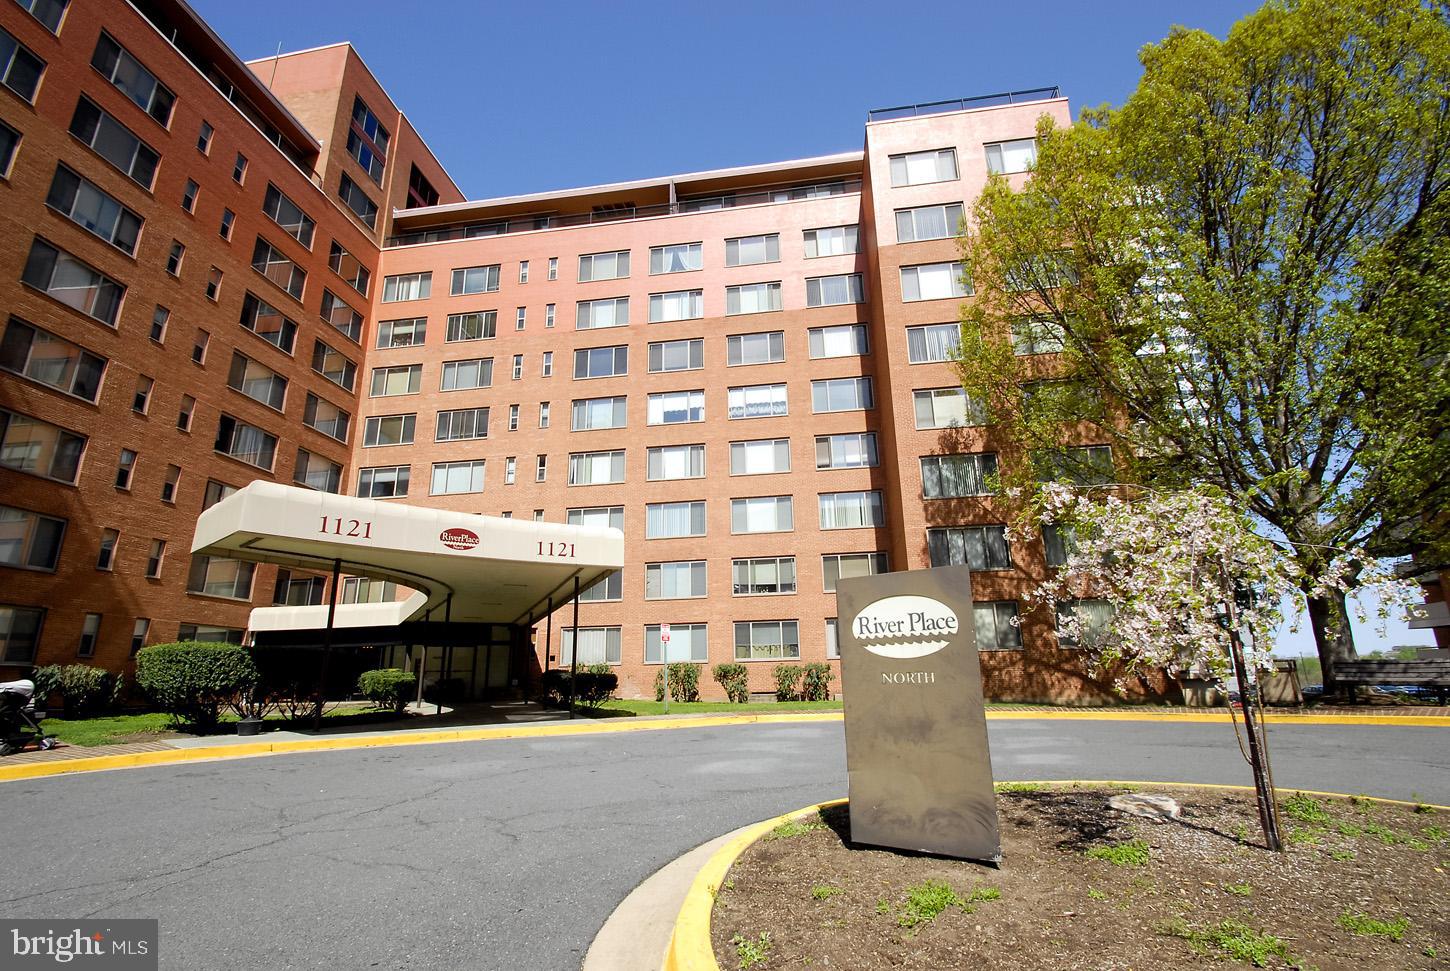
x: 1312, y: 691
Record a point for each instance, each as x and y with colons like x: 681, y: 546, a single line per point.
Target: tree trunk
x: 1329, y: 617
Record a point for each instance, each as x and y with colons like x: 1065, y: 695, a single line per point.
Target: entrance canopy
x: 465, y: 567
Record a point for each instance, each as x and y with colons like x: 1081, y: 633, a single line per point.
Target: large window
x: 671, y: 520
x: 29, y: 540
x: 324, y: 416
x: 357, y: 200
x: 49, y: 13
x: 762, y: 514
x: 383, y: 482
x: 75, y: 284
x: 996, y: 626
x: 933, y: 343
x: 832, y: 241
x: 767, y: 640
x: 382, y: 430
x: 928, y: 222
x: 341, y: 316
x: 675, y: 462
x: 1059, y: 542
x: 749, y: 250
x: 763, y: 576
x: 919, y: 168
x: 590, y: 414
x: 215, y: 576
x: 367, y: 140
x: 675, y: 407
x: 268, y: 323
x: 683, y: 355
x: 20, y: 633
x: 85, y: 204
x: 841, y: 394
x: 1093, y: 615
x: 598, y: 314
x: 245, y: 443
x: 979, y: 547
x: 402, y: 333
x: 596, y: 468
x: 115, y: 143
x: 20, y: 69
x: 457, y: 478
x: 1018, y: 155
x: 39, y: 448
x: 675, y: 258
x: 752, y: 298
x: 830, y: 291
x: 272, y: 264
x: 1036, y: 336
x: 467, y: 375
x: 850, y: 450
x: 469, y: 280
x: 955, y: 476
x: 9, y: 142
x: 597, y: 645
x: 760, y: 457
x: 607, y: 590
x: 601, y: 362
x: 471, y: 327
x: 257, y: 381
x: 947, y: 408
x: 766, y: 348
x: 54, y: 361
x: 1086, y: 465
x: 677, y: 305
x: 838, y: 566
x: 933, y: 281
x: 350, y: 268
x: 288, y: 215
x: 758, y: 401
x: 316, y: 472
x: 851, y: 510
x: 407, y: 286
x: 597, y: 516
x: 686, y: 641
x: 333, y: 365
x: 679, y: 580
x: 604, y: 266
x: 463, y: 424
x: 845, y: 340
x: 400, y: 379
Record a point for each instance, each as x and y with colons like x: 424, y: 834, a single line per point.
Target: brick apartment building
x: 220, y: 271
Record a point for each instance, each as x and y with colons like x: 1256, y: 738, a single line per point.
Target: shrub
x: 596, y: 685
x: 816, y: 682
x: 684, y: 682
x: 735, y: 679
x: 47, y: 683
x: 86, y: 689
x: 191, y: 681
x: 787, y: 681
x: 388, y: 687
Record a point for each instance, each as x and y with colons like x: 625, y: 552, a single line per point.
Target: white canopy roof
x: 500, y: 571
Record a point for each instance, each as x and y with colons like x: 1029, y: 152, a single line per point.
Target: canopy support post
x: 447, y: 657
x: 574, y: 654
x: 326, y: 647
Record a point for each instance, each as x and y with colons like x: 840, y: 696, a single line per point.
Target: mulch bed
x: 1361, y: 886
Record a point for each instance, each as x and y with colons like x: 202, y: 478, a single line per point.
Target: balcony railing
x: 963, y: 104
x: 530, y: 223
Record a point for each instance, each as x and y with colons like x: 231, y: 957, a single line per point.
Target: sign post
x: 918, y: 769
x: 665, y: 660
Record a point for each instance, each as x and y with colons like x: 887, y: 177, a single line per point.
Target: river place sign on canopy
x: 920, y: 775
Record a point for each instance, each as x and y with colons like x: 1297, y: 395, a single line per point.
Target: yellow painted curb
x: 1195, y: 717
x: 690, y: 946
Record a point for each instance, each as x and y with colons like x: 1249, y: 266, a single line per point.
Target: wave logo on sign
x: 458, y: 539
x: 905, y: 627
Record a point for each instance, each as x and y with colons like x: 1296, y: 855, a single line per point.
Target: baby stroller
x: 19, y: 721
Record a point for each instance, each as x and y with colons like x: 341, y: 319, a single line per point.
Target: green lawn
x: 108, y: 730
x: 694, y: 707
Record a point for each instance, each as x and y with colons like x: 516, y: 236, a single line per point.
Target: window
x: 29, y: 540
x: 215, y: 493
x: 838, y: 566
x: 1094, y: 617
x: 210, y: 634
x: 834, y: 241
x: 463, y: 424
x: 510, y: 469
x: 389, y: 430
x: 841, y: 394
x: 85, y: 204
x: 671, y: 520
x: 115, y: 143
x: 188, y: 196
x: 686, y: 641
x: 402, y: 333
x: 39, y: 448
x: 594, y: 314
x: 20, y: 633
x: 1089, y: 465
x: 601, y: 516
x: 523, y: 271
x: 383, y: 482
x: 830, y: 291
x: 752, y: 298
x: 172, y: 483
x: 846, y: 340
x: 367, y: 140
x: 184, y: 412
x: 203, y: 138
x: 402, y: 379
x: 51, y: 360
x: 357, y: 200
x: 767, y: 640
x: 407, y: 286
x: 833, y: 641
x: 762, y: 514
x: 549, y: 315
x: 471, y: 327
x: 239, y: 169
x: 245, y: 442
x: 517, y: 373
x: 676, y: 462
x: 1059, y: 542
x: 1036, y: 336
x: 851, y: 510
x: 288, y: 215
x: 601, y: 362
x: 513, y: 418
x: 955, y: 476
x: 595, y: 413
x: 139, y: 631
x: 539, y: 517
x: 141, y: 400
x: 596, y: 468
x: 979, y: 547
x: 683, y: 355
x: 257, y: 381
x: 762, y: 576
x: 315, y: 472
x: 420, y: 191
x: 933, y: 281
x: 677, y: 305
x: 766, y: 348
x: 547, y: 367
x: 678, y: 580
x: 357, y: 276
x: 125, y: 469
x: 996, y: 626
x: 933, y: 343
x: 466, y: 375
x: 90, y: 633
x: 1018, y: 155
x: 298, y: 590
x: 217, y: 577
x: 761, y: 457
x: 521, y: 317
x: 269, y: 261
x: 9, y: 142
x: 154, y: 558
x: 541, y: 468
x: 758, y: 401
x: 333, y: 366
x: 928, y: 222
x: 553, y: 268
x: 128, y: 74
x: 73, y: 283
x: 676, y: 407
x: 213, y: 284
x: 947, y: 408
x: 174, y: 256
x: 361, y: 590
x: 919, y: 168
x: 228, y: 219
x: 748, y: 250
x: 49, y: 13
x: 267, y: 322
x: 597, y: 645
x: 469, y: 280
x: 457, y: 478
x: 159, y: 319
x: 676, y: 258
x: 852, y: 450
x: 543, y: 414
x: 609, y: 589
x: 604, y: 266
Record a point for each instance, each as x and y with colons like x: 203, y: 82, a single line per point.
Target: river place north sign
x: 920, y: 775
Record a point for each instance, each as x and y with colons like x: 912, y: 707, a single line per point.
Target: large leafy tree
x: 1247, y: 268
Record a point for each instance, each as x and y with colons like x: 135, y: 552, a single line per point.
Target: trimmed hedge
x: 191, y: 680
x: 735, y: 679
x: 388, y: 687
x: 595, y: 686
x: 684, y: 682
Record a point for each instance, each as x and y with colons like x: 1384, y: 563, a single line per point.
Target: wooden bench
x: 1426, y: 673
